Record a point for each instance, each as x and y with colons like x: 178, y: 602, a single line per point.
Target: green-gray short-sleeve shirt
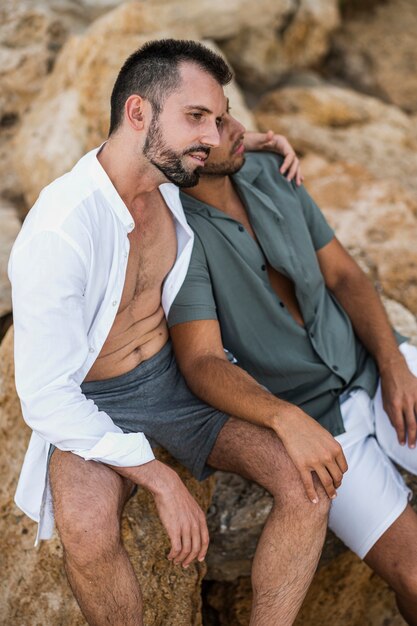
x: 227, y: 280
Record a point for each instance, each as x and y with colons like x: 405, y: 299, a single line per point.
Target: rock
x: 37, y: 592
x: 376, y: 217
x: 345, y: 592
x: 291, y: 39
x: 9, y: 228
x: 342, y: 125
x: 376, y: 53
x: 30, y: 36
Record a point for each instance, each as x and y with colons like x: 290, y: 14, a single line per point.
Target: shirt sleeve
x: 195, y: 299
x: 48, y: 277
x: 320, y: 231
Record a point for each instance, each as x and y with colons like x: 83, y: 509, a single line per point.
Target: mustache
x: 198, y: 148
x: 237, y: 143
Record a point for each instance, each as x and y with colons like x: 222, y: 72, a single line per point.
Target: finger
x: 335, y: 473
x: 397, y: 421
x: 341, y: 461
x: 308, y: 483
x: 195, y: 544
x: 269, y: 136
x: 411, y: 425
x: 205, y: 539
x: 293, y: 169
x: 286, y: 164
x: 327, y: 481
x: 186, y: 545
x: 299, y: 177
x: 176, y: 544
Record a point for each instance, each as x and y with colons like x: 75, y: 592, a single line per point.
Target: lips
x: 198, y: 156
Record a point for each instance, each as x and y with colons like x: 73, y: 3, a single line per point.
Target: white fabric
x: 373, y: 493
x: 67, y: 270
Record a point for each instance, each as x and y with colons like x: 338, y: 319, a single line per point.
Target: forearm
x: 371, y: 324
x: 233, y: 391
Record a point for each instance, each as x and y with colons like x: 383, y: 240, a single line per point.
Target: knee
x: 89, y: 536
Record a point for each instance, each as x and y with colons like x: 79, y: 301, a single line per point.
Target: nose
x: 211, y: 137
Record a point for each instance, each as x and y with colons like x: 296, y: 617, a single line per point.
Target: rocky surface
x: 343, y: 125
x: 34, y: 589
x: 376, y: 53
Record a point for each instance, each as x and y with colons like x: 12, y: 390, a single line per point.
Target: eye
x: 196, y: 116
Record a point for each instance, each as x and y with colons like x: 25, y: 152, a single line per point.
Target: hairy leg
x: 88, y: 500
x: 394, y: 558
x: 291, y: 542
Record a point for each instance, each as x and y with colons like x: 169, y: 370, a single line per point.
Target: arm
x: 48, y: 276
x: 351, y: 287
x: 199, y: 351
x: 276, y: 143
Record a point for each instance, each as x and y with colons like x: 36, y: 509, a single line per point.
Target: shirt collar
x: 109, y: 190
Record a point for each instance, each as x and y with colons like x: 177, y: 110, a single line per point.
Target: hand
x: 312, y: 449
x: 279, y: 144
x: 179, y: 513
x: 399, y: 397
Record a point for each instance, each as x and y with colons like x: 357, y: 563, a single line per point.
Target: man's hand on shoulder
x: 399, y: 396
x: 312, y: 449
x: 179, y: 513
x: 272, y: 142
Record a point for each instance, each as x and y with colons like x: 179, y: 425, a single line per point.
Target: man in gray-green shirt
x: 269, y: 282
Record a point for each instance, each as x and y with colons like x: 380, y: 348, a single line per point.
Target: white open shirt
x: 67, y: 270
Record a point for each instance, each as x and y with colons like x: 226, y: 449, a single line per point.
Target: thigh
x: 257, y: 454
x: 372, y: 496
x: 394, y: 556
x: 86, y: 495
x: 385, y: 432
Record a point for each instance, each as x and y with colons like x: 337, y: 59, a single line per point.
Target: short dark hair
x: 152, y: 72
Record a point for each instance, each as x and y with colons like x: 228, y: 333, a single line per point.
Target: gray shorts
x: 154, y: 399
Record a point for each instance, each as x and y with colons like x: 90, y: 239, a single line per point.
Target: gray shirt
x: 227, y: 280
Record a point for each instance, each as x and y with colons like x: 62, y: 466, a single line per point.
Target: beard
x: 170, y: 162
x: 227, y: 167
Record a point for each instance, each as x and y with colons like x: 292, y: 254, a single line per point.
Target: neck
x: 214, y: 190
x: 133, y: 176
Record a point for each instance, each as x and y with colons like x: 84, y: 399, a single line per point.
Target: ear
x: 134, y: 106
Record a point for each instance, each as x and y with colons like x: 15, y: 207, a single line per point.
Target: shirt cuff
x: 120, y: 450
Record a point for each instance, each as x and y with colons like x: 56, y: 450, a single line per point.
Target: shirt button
x: 263, y: 267
x: 311, y: 335
x: 90, y: 349
x: 114, y: 302
x: 336, y: 369
x: 131, y: 225
x: 241, y: 228
x: 282, y: 304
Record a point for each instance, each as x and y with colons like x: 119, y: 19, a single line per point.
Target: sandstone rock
x: 30, y: 36
x: 344, y: 593
x: 9, y: 228
x: 291, y: 39
x: 375, y: 216
x: 34, y: 589
x: 376, y: 53
x: 340, y: 124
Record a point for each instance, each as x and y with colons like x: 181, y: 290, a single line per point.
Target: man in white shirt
x: 98, y: 262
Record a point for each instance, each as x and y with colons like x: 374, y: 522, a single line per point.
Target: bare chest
x: 153, y: 250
